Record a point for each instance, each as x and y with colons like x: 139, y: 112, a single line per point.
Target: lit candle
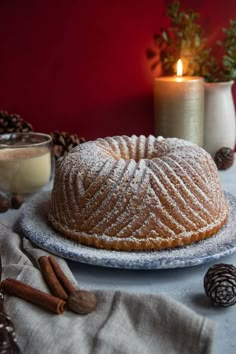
x: 179, y: 106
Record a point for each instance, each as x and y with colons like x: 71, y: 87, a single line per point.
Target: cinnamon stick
x: 35, y: 296
x: 51, y: 279
x: 65, y: 282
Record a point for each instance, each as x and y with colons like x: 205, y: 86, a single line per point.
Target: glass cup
x: 25, y: 162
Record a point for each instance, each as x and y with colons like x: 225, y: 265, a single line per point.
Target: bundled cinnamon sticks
x: 64, y: 293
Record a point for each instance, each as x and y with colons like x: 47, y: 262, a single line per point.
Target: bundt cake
x: 137, y: 193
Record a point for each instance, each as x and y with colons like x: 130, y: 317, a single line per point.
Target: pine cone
x: 8, y: 342
x: 220, y: 284
x: 13, y: 123
x: 63, y: 142
x: 224, y: 158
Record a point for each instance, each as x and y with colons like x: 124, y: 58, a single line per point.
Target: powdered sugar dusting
x: 34, y: 225
x: 111, y: 193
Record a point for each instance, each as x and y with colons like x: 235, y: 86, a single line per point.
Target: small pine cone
x: 63, y: 142
x: 220, y: 284
x: 224, y: 158
x: 8, y: 342
x: 13, y: 123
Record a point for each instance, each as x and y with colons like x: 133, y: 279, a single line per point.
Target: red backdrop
x: 80, y: 65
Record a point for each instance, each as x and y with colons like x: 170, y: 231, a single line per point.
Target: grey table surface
x: 182, y: 284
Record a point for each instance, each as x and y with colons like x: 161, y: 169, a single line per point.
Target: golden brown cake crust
x: 137, y: 193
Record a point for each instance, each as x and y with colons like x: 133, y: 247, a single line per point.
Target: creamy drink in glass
x: 25, y: 162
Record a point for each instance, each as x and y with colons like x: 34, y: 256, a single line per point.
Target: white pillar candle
x: 179, y: 107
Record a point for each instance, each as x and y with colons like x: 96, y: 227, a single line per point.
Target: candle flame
x: 179, y: 68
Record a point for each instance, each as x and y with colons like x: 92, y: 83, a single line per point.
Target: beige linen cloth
x: 123, y: 323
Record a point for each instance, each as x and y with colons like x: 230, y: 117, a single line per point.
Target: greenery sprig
x: 229, y: 44
x: 185, y: 38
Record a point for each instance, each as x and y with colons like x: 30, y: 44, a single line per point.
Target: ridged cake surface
x: 137, y: 193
